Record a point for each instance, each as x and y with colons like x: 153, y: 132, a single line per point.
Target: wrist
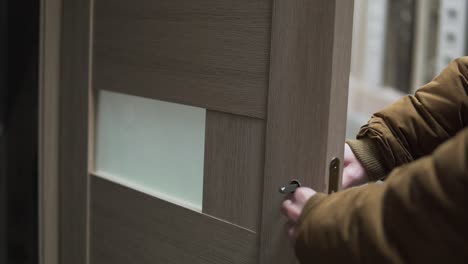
x: 368, y: 155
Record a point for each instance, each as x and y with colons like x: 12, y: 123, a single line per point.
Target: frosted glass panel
x: 153, y: 146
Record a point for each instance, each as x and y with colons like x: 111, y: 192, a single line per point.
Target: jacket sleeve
x: 415, y: 125
x: 418, y: 215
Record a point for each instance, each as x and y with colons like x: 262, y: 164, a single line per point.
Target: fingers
x: 292, y: 207
x: 348, y: 155
x: 302, y: 195
x: 292, y: 213
x: 291, y: 210
x: 348, y: 179
x: 354, y: 175
x: 291, y: 232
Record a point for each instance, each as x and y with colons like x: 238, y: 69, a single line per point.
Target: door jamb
x: 49, y: 72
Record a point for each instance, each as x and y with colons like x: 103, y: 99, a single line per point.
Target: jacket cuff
x: 367, y: 152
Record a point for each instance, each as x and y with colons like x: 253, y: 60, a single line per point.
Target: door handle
x: 333, y: 175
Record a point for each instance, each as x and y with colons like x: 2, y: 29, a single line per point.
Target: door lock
x: 333, y: 179
x: 291, y: 187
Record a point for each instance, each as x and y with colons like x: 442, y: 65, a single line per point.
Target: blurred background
x: 19, y: 46
x: 398, y: 45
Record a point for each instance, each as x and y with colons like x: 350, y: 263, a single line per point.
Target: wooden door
x: 272, y: 77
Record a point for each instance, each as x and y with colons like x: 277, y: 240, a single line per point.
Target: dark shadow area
x: 19, y: 29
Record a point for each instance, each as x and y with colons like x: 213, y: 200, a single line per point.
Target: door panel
x: 211, y: 54
x: 128, y: 226
x: 156, y: 227
x: 234, y: 154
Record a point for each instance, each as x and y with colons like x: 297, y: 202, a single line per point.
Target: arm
x: 419, y: 215
x: 415, y: 125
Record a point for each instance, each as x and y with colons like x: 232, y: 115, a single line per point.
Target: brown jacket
x: 420, y: 213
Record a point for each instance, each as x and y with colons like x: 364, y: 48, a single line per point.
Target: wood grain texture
x: 49, y: 73
x: 73, y: 144
x: 233, y: 174
x: 209, y: 53
x: 299, y: 110
x: 132, y: 227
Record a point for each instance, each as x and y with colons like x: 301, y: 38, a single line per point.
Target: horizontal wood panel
x: 128, y: 226
x: 209, y: 53
x: 233, y: 177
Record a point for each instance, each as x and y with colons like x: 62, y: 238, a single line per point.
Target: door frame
x: 304, y: 79
x: 48, y: 156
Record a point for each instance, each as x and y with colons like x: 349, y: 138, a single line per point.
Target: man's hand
x: 292, y: 208
x: 353, y: 172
